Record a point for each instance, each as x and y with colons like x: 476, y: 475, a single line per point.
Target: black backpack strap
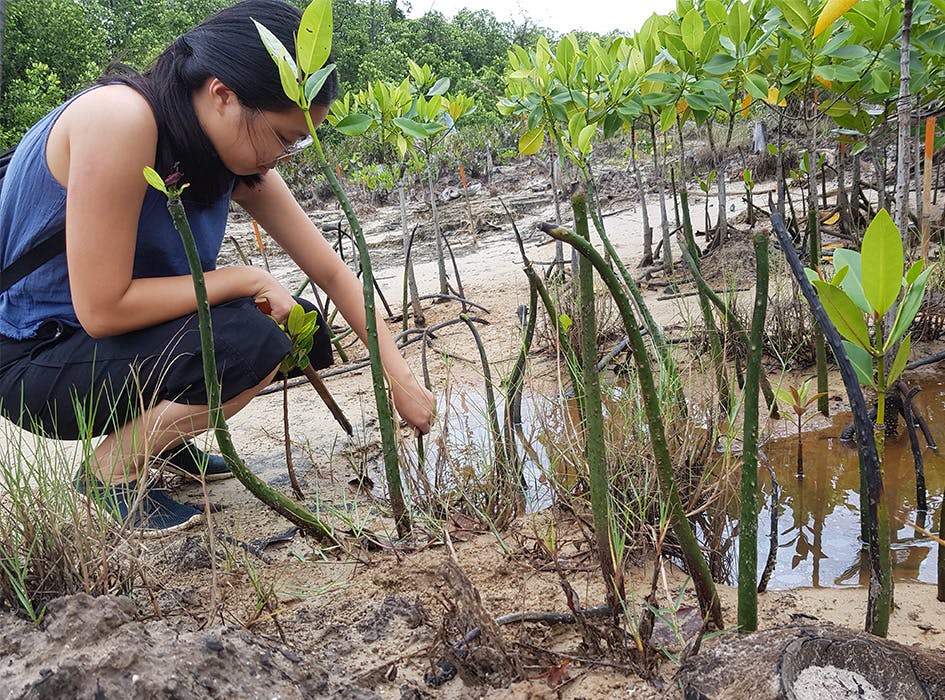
x: 53, y: 242
x: 5, y: 159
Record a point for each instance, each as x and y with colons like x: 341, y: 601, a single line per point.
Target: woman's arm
x: 97, y: 151
x: 274, y: 207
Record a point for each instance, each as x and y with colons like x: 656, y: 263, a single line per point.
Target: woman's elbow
x: 98, y: 324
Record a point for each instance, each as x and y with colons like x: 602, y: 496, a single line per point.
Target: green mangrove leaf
x: 908, y: 308
x: 294, y: 322
x: 852, y: 283
x: 914, y: 271
x: 155, y: 180
x: 843, y: 313
x: 565, y: 321
x: 584, y: 138
x: 439, y: 87
x: 812, y: 275
x: 355, y: 124
x: 899, y: 364
x: 756, y: 85
x: 313, y: 43
x: 315, y: 81
x: 882, y: 261
x: 862, y: 363
x: 667, y: 118
x: 411, y: 128
x: 719, y: 64
x: 692, y: 30
x: 739, y: 23
x: 838, y: 278
x: 531, y: 141
x: 288, y: 71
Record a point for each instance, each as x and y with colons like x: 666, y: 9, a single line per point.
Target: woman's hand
x: 279, y: 300
x: 415, y: 404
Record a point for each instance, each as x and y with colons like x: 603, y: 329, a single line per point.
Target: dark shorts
x: 65, y: 384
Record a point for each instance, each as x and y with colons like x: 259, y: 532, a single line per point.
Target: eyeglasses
x: 288, y: 149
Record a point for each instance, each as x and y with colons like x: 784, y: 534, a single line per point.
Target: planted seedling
x: 799, y: 399
x: 300, y: 327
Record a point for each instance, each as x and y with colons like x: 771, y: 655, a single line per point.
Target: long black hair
x: 226, y: 46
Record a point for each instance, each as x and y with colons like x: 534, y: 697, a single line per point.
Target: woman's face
x: 264, y: 138
x: 251, y: 141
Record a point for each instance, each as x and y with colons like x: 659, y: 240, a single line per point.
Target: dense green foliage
x: 53, y: 48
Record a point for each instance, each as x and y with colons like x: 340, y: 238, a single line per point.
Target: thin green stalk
x: 385, y: 417
x: 594, y: 417
x: 513, y: 400
x: 880, y: 589
x: 748, y: 523
x: 654, y: 329
x: 698, y: 568
x: 570, y: 360
x: 813, y: 238
x: 733, y: 323
x: 884, y: 598
x: 302, y: 517
x: 691, y: 256
x: 501, y: 456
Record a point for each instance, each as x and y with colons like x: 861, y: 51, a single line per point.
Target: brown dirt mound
x: 94, y: 647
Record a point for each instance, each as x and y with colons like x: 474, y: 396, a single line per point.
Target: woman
x: 105, y: 333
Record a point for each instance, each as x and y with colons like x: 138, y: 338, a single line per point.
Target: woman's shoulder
x: 110, y: 122
x: 109, y: 107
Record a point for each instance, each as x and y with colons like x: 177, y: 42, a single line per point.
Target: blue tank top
x: 31, y: 199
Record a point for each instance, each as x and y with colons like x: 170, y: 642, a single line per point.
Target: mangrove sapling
x: 799, y: 399
x: 300, y: 327
x: 773, y: 510
x: 748, y: 522
x: 301, y: 80
x: 910, y: 419
x: 593, y: 419
x: 302, y: 517
x: 516, y: 379
x: 705, y: 587
x: 941, y: 551
x: 879, y: 600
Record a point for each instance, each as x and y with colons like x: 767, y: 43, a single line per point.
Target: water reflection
x: 819, y: 520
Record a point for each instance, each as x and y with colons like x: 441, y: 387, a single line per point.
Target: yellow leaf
x: 531, y: 141
x: 831, y: 12
x: 682, y: 105
x: 746, y: 103
x: 832, y: 219
x: 822, y: 81
x: 772, y: 98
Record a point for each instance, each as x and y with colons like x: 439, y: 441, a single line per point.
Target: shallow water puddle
x: 818, y: 521
x: 819, y: 517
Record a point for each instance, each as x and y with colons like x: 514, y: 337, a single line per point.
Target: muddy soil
x: 237, y: 617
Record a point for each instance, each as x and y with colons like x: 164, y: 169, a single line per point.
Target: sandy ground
x: 378, y: 619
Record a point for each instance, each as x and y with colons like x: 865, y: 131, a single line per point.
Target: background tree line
x: 53, y: 48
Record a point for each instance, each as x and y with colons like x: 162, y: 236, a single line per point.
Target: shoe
x: 154, y: 514
x: 187, y: 459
